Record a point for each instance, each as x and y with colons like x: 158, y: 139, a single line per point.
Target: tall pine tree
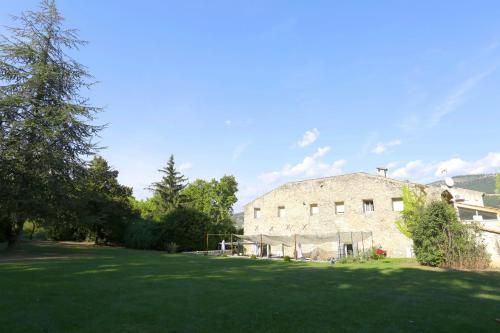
x: 170, y: 186
x: 46, y: 125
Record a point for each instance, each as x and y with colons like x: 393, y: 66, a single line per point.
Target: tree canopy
x: 47, y: 141
x: 439, y: 237
x: 413, y: 207
x: 169, y: 188
x: 214, y: 198
x: 106, y: 203
x: 46, y: 125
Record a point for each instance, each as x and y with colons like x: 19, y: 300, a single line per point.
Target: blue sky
x: 273, y: 91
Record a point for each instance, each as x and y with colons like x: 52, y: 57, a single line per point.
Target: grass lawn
x: 50, y: 287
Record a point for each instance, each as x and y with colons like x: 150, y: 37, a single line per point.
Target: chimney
x: 382, y: 171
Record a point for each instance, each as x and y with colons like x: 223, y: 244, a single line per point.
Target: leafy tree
x: 206, y: 208
x: 46, y: 125
x: 148, y: 209
x: 214, y: 198
x: 170, y: 187
x: 413, y: 207
x: 107, y: 208
x: 428, y: 233
x: 441, y: 239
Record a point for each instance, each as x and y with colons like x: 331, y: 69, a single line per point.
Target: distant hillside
x: 485, y: 183
x: 238, y: 219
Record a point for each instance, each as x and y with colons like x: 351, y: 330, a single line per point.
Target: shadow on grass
x: 126, y: 290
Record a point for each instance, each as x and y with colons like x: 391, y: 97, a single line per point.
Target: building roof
x: 479, y: 208
x: 361, y: 173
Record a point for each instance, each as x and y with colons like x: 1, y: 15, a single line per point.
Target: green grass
x: 78, y: 289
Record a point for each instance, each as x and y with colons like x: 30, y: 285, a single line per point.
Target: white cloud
x: 392, y: 165
x: 247, y: 191
x: 382, y: 147
x: 424, y: 172
x: 228, y: 122
x: 185, y: 166
x: 239, y: 149
x: 322, y: 151
x: 455, y: 166
x: 309, y: 167
x: 308, y: 138
x: 454, y: 99
x: 379, y: 148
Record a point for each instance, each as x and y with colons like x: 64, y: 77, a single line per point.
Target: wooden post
x: 339, y: 249
x: 352, y: 244
x: 363, y: 243
x: 232, y: 248
x: 206, y: 253
x: 295, y: 247
x: 261, y: 248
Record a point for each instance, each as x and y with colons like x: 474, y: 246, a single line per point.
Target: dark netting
x: 313, y: 247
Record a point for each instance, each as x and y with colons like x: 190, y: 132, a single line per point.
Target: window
x: 397, y: 204
x: 314, y: 209
x: 281, y: 211
x: 368, y: 206
x: 339, y: 207
x: 256, y: 213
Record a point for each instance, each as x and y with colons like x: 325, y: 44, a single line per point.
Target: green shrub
x: 466, y: 249
x: 186, y: 227
x: 142, y: 234
x: 287, y: 259
x: 172, y: 247
x: 342, y: 260
x: 440, y: 239
x: 253, y: 256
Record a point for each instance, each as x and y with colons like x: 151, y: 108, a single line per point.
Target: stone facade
x: 309, y: 207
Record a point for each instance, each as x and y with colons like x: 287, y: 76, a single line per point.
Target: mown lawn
x: 79, y: 289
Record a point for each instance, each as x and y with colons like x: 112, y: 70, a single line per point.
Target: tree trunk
x: 33, y: 231
x: 14, y: 231
x: 12, y: 238
x: 12, y: 243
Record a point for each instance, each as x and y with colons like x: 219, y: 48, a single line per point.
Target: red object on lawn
x: 381, y: 252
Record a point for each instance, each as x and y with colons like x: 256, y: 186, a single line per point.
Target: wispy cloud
x: 308, y: 138
x: 427, y: 171
x: 392, y: 165
x: 382, y: 147
x: 228, y: 122
x: 456, y: 97
x: 369, y: 141
x: 239, y: 149
x: 185, y: 166
x: 410, y: 122
x: 311, y: 166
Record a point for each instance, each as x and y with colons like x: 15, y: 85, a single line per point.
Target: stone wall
x: 351, y: 189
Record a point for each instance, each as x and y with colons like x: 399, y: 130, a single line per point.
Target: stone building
x: 357, y: 202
